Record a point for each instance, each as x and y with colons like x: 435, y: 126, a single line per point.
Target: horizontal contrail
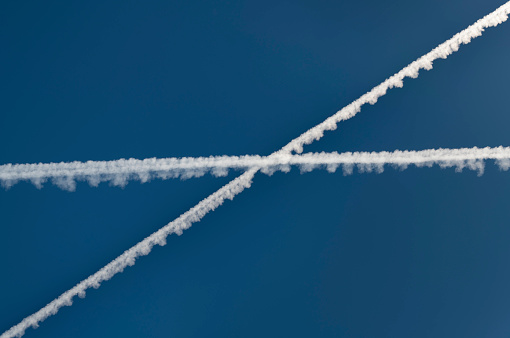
x: 236, y: 186
x: 471, y: 158
x: 120, y: 171
x: 65, y: 175
x: 468, y: 158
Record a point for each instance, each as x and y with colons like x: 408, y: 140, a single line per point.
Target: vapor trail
x: 244, y: 181
x: 448, y: 47
x: 120, y: 171
x: 129, y: 256
x: 469, y: 158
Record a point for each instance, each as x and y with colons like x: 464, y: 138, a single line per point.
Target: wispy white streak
x: 120, y: 171
x: 469, y: 158
x: 442, y: 51
x: 239, y: 184
x: 129, y: 257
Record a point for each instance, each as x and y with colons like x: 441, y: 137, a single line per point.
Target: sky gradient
x: 419, y: 253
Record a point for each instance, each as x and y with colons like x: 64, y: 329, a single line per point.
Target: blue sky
x: 421, y: 253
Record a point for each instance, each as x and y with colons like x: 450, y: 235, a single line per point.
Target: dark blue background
x: 418, y: 253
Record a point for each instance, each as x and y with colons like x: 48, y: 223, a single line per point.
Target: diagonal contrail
x: 239, y: 184
x: 118, y: 172
x: 442, y: 51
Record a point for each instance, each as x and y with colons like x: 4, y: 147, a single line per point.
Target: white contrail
x: 129, y: 257
x: 448, y: 47
x: 117, y: 172
x: 120, y: 171
x: 239, y: 184
x: 469, y: 158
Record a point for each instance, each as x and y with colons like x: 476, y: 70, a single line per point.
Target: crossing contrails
x: 282, y: 159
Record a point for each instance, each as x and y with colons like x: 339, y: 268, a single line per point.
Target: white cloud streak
x: 244, y: 181
x: 129, y: 256
x: 463, y: 158
x: 470, y: 158
x: 442, y: 51
x: 120, y: 171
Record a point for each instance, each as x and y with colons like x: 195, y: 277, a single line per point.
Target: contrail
x: 129, y: 256
x: 469, y: 158
x: 120, y: 171
x: 244, y: 181
x: 442, y: 51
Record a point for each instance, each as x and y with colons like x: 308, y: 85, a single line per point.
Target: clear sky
x: 418, y: 253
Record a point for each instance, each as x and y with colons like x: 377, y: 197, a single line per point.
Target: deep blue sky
x: 419, y: 253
